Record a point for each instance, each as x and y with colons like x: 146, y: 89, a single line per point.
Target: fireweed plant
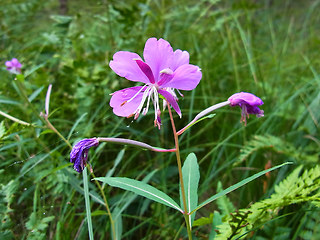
x: 163, y: 72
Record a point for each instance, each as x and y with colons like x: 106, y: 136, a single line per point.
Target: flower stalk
x: 176, y: 141
x: 113, y: 228
x: 134, y: 143
x: 202, y: 114
x: 45, y: 116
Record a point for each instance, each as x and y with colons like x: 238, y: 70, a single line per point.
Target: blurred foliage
x: 269, y: 48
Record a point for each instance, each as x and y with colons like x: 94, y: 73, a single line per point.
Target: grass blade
x: 87, y: 200
x: 239, y: 184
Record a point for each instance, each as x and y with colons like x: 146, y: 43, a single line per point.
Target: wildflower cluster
x: 163, y: 73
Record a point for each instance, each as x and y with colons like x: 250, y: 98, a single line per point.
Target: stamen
x: 164, y: 105
x: 157, y: 121
x: 145, y: 110
x: 172, y: 92
x: 138, y: 110
x: 244, y: 114
x: 156, y: 102
x: 136, y: 94
x: 179, y: 93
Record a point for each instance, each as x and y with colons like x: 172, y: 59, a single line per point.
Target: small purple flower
x: 14, y: 66
x: 79, y: 153
x: 163, y: 71
x: 249, y: 104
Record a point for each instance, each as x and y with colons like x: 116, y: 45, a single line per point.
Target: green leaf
x: 60, y: 19
x: 76, y: 124
x: 239, y: 184
x: 2, y: 130
x: 203, y: 221
x: 117, y: 218
x: 224, y: 204
x: 87, y: 202
x: 142, y: 189
x: 216, y: 221
x: 191, y: 176
x: 35, y: 94
x: 199, y: 120
x: 20, y: 77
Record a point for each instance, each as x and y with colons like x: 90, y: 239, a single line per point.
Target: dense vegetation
x: 269, y: 48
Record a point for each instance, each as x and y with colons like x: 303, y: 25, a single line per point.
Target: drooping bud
x: 79, y: 153
x: 248, y: 103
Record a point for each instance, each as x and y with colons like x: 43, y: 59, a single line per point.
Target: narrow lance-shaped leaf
x: 191, y: 176
x: 142, y: 189
x: 117, y: 218
x: 87, y: 201
x: 239, y: 184
x: 129, y: 197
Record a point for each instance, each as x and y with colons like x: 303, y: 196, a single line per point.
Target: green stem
x: 56, y: 131
x: 97, y: 183
x: 176, y: 141
x: 49, y: 125
x: 15, y: 119
x: 106, y: 205
x: 25, y: 97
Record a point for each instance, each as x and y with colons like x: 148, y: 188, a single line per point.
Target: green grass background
x: 269, y: 48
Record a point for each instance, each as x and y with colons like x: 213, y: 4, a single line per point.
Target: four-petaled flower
x: 249, y: 104
x: 79, y: 153
x: 14, y: 66
x: 163, y: 71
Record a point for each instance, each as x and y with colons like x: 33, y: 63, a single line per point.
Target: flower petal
x: 157, y: 54
x: 121, y: 104
x: 186, y: 77
x: 79, y: 153
x: 179, y: 58
x: 245, y: 98
x: 8, y: 64
x: 166, y: 75
x: 146, y: 70
x: 255, y: 110
x: 16, y: 63
x: 171, y: 100
x: 124, y: 65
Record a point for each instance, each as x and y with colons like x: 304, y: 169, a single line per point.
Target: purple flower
x: 163, y: 71
x: 14, y: 66
x: 79, y: 153
x: 249, y: 104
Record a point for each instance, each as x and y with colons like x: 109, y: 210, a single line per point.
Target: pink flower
x: 163, y: 71
x: 14, y: 66
x: 249, y: 104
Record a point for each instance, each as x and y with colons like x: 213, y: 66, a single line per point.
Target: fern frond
x: 224, y: 204
x: 311, y: 226
x: 294, y: 189
x: 276, y: 144
x: 7, y: 193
